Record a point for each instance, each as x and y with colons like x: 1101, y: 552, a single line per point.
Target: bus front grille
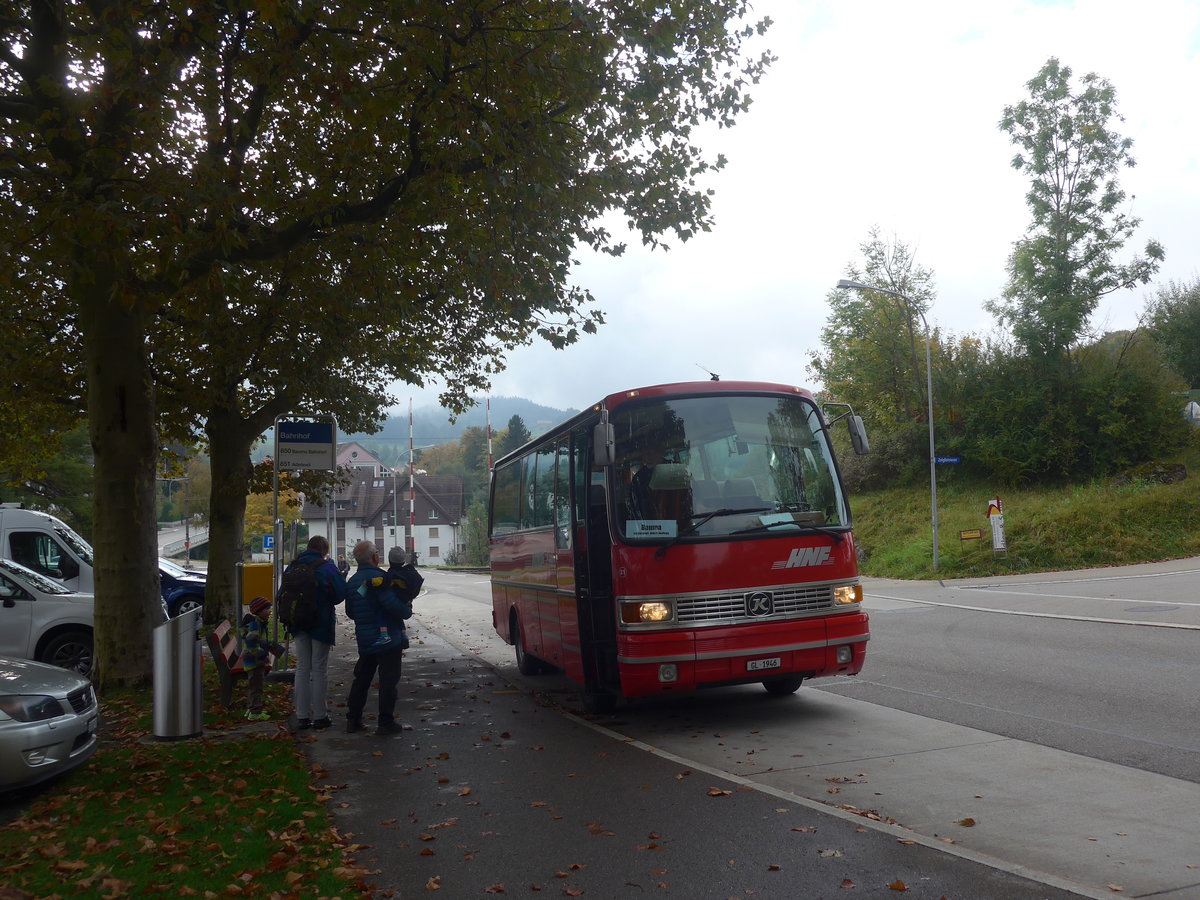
x: 788, y: 602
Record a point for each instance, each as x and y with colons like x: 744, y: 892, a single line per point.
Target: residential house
x: 423, y: 514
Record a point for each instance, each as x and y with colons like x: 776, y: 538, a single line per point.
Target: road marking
x: 966, y: 587
x: 1043, y: 615
x: 1078, y: 597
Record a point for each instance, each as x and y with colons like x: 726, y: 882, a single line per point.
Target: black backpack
x: 297, y: 599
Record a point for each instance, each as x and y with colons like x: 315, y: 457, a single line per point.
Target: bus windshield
x: 722, y: 465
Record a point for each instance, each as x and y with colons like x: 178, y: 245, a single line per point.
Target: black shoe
x: 388, y: 727
x: 353, y: 725
x: 302, y: 724
x: 324, y: 722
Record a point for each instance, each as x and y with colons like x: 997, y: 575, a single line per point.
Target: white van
x: 47, y: 545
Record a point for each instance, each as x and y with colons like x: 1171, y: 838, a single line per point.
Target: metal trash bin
x: 178, y: 711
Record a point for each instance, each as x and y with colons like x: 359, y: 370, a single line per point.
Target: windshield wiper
x: 695, y: 526
x: 809, y: 529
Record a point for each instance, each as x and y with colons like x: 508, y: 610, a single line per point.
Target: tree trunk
x: 120, y: 399
x: 229, y: 441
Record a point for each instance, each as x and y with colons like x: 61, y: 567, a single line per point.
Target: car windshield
x: 81, y: 547
x: 31, y: 579
x: 702, y: 467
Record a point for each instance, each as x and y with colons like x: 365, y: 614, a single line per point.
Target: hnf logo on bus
x: 805, y: 556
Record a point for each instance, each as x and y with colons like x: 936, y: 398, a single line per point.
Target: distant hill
x: 433, y: 425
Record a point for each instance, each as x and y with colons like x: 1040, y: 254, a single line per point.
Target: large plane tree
x: 161, y: 157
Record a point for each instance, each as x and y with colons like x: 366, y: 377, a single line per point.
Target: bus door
x: 593, y: 570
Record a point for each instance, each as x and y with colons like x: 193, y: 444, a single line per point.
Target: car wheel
x: 527, y: 663
x: 188, y: 604
x: 781, y: 687
x: 70, y: 650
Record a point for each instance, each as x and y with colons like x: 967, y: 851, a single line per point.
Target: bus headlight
x: 847, y: 593
x: 648, y: 611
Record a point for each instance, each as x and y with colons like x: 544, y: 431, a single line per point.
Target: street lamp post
x: 845, y: 284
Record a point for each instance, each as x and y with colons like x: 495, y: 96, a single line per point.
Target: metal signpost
x: 302, y: 443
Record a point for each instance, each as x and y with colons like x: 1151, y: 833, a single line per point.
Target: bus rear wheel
x: 527, y: 663
x: 784, y: 685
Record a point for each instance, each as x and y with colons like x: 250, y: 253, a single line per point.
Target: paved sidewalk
x: 490, y: 792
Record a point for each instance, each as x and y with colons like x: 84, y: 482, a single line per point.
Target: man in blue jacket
x: 370, y: 601
x: 313, y: 644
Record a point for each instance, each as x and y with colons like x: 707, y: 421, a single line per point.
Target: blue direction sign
x: 305, y: 445
x: 944, y: 460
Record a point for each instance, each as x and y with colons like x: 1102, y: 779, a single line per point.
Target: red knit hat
x: 259, y: 605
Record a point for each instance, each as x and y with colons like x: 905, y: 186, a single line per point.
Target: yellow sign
x: 971, y: 534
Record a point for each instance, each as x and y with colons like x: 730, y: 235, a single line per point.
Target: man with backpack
x: 308, y: 592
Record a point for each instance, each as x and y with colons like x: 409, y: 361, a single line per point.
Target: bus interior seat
x: 740, y: 492
x: 705, y: 495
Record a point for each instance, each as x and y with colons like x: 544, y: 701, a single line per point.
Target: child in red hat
x: 256, y: 655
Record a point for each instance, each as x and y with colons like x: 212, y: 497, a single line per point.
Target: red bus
x: 677, y: 537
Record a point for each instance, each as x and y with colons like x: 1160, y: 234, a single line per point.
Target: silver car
x: 48, y: 721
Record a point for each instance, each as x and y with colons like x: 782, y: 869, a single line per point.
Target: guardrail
x: 198, y: 537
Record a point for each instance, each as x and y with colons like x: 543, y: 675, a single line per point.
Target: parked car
x: 182, y: 589
x: 47, y: 545
x: 42, y: 620
x: 48, y: 722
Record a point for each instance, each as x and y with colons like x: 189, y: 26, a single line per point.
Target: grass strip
x: 238, y: 815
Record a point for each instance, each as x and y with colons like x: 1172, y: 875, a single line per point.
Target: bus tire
x: 527, y: 663
x: 599, y: 703
x: 783, y: 685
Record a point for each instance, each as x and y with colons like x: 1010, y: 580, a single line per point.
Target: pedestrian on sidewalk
x: 369, y: 601
x: 313, y: 642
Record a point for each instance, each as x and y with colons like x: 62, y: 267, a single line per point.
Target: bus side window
x: 506, y: 498
x: 562, y: 496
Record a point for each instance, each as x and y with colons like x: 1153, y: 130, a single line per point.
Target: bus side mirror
x: 603, y: 444
x: 858, y: 435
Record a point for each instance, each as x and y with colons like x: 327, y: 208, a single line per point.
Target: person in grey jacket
x: 370, y: 600
x: 313, y: 645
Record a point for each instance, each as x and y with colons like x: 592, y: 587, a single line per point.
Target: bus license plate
x: 757, y: 665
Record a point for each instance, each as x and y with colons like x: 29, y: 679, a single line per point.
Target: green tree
x: 58, y: 482
x: 873, y: 357
x: 443, y: 459
x: 1172, y: 318
x: 259, y: 517
x: 513, y: 437
x: 1115, y: 404
x: 170, y: 157
x: 477, y: 552
x: 1067, y: 259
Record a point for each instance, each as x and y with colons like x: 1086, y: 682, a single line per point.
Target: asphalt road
x: 1102, y: 663
x: 1038, y: 713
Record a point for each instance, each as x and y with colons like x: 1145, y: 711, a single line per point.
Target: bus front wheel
x: 784, y: 685
x: 527, y: 664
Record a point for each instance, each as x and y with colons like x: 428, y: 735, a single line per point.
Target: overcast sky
x: 882, y: 114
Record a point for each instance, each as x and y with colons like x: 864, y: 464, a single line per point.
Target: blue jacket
x: 332, y: 588
x: 378, y: 599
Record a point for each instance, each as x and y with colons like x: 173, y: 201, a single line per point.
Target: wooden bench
x: 224, y: 647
